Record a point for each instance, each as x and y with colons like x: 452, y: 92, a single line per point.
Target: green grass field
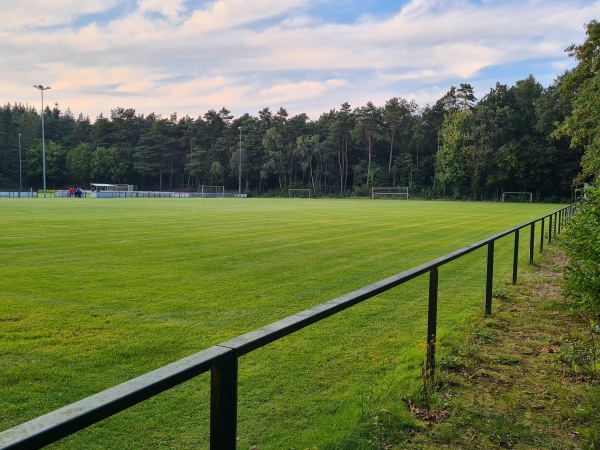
x: 97, y: 291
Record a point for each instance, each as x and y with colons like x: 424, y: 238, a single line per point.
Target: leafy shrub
x: 582, y: 246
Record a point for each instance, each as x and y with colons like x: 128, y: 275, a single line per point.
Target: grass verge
x: 524, y: 377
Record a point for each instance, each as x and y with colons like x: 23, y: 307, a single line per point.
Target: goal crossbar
x: 291, y: 191
x: 389, y: 191
x: 530, y: 194
x: 211, y: 191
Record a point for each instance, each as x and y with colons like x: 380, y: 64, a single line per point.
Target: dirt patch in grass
x: 523, y: 378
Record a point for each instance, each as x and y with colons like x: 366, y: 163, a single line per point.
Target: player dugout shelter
x: 109, y: 190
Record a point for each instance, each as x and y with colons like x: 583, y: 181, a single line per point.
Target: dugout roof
x: 109, y: 187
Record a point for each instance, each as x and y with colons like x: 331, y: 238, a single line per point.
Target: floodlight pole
x: 42, y: 89
x: 20, y: 169
x: 240, y: 165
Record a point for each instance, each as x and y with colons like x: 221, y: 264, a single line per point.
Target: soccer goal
x: 211, y: 191
x: 390, y: 192
x: 581, y: 191
x: 298, y: 193
x: 524, y: 197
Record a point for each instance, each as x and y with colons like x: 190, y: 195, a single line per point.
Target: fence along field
x: 121, y: 288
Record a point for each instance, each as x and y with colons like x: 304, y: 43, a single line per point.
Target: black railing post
x: 489, y: 278
x: 550, y: 229
x: 223, y: 403
x: 561, y: 217
x: 531, y: 243
x: 515, y: 258
x: 432, y: 321
x: 542, y: 236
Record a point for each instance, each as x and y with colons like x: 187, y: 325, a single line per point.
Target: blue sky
x: 308, y: 56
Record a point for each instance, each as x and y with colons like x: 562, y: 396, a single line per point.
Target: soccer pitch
x: 97, y: 291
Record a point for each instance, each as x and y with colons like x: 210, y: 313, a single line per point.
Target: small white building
x: 109, y: 190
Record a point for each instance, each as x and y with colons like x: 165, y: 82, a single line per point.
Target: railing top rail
x: 76, y: 416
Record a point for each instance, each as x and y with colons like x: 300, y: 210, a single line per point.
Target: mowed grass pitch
x: 97, y: 291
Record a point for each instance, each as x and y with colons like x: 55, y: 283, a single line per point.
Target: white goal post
x: 211, y: 191
x: 298, y: 193
x: 581, y: 191
x: 524, y: 194
x: 389, y: 192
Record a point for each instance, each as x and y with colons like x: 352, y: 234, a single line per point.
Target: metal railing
x: 222, y: 359
x: 19, y: 194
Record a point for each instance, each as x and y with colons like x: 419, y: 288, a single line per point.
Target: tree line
x: 506, y: 141
x: 582, y: 128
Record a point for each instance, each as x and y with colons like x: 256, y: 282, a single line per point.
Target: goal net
x: 390, y: 192
x: 581, y: 191
x: 298, y: 193
x: 211, y: 191
x: 523, y: 197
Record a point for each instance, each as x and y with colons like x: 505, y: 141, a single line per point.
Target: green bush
x: 582, y: 244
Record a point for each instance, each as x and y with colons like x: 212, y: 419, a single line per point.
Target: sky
x: 187, y: 57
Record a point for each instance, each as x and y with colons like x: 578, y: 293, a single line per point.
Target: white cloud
x: 229, y: 14
x: 160, y: 57
x: 170, y: 9
x: 289, y: 91
x: 24, y: 14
